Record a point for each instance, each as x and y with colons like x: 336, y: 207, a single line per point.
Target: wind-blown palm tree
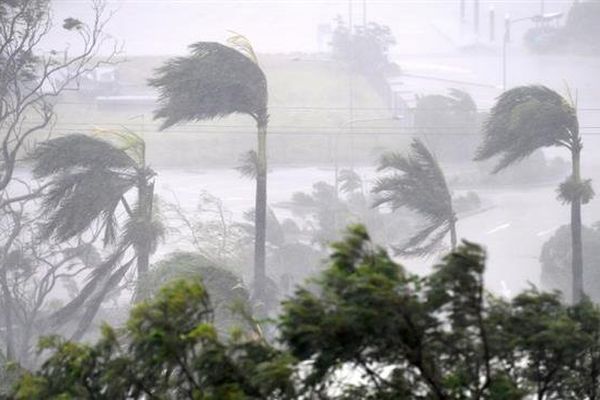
x: 418, y: 184
x: 525, y: 119
x: 89, y: 180
x: 213, y: 82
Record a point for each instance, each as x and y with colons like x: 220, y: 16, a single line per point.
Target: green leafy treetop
x: 369, y: 330
x: 168, y: 350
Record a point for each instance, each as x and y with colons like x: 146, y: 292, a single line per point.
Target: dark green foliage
x: 226, y: 290
x: 555, y: 259
x: 168, y: 350
x: 18, y: 64
x: 417, y: 182
x: 72, y: 23
x: 88, y: 178
x: 365, y: 48
x: 526, y: 119
x: 323, y: 207
x: 368, y: 330
x: 374, y: 331
x: 571, y: 190
x: 523, y: 120
x: 77, y: 151
x: 581, y: 29
x: 213, y: 82
x: 449, y: 124
x: 248, y: 167
x: 349, y: 181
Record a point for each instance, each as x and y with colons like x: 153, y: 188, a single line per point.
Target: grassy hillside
x: 309, y: 108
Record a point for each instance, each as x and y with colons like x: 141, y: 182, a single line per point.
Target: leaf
x: 525, y: 119
x: 213, y: 82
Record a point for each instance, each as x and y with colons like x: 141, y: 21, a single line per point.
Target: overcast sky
x: 168, y: 26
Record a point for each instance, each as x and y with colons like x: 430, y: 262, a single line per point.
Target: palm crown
x: 215, y: 81
x: 525, y: 119
x: 418, y: 183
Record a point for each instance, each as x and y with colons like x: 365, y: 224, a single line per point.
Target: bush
x: 555, y: 259
x: 226, y: 290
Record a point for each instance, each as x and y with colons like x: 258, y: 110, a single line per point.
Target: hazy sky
x: 168, y: 26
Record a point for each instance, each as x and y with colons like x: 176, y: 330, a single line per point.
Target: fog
x: 435, y: 50
x: 354, y: 91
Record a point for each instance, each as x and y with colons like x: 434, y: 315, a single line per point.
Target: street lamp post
x: 507, y: 34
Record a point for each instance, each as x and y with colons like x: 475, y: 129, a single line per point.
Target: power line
x: 409, y: 132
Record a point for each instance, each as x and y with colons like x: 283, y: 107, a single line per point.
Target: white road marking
x: 505, y: 291
x: 547, y: 231
x: 498, y: 228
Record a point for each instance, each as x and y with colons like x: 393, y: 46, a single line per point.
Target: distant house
x: 101, y: 81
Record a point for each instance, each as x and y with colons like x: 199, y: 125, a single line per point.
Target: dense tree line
x: 369, y: 330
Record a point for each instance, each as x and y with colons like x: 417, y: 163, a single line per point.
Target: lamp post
x: 507, y: 34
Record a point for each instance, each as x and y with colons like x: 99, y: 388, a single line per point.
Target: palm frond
x: 213, y: 82
x: 143, y: 232
x: 88, y: 177
x: 77, y: 151
x: 416, y: 182
x: 74, y: 201
x: 248, y: 167
x: 127, y: 141
x: 462, y: 101
x: 523, y: 120
x: 243, y: 45
x: 424, y: 242
x: 349, y: 180
x: 98, y: 275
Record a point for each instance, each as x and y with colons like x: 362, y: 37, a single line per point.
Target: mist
x: 233, y: 143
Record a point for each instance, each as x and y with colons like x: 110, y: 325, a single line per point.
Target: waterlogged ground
x: 513, y: 229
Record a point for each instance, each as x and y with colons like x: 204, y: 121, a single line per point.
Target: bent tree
x: 89, y: 180
x: 213, y: 82
x: 31, y: 77
x: 417, y: 182
x: 525, y: 119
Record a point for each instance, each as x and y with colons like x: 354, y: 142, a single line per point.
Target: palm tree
x: 418, y: 183
x: 89, y: 179
x: 213, y: 82
x: 525, y: 119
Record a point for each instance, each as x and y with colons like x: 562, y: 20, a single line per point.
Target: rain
x: 300, y: 199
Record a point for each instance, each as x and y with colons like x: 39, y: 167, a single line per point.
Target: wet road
x: 512, y: 230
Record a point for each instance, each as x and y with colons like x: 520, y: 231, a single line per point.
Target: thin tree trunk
x: 260, y: 214
x: 145, y: 199
x: 453, y: 238
x: 94, y: 304
x: 576, y: 241
x: 8, y: 321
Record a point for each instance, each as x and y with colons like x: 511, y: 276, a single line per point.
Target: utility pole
x: 492, y: 24
x: 476, y: 17
x: 542, y: 7
x: 504, y: 45
x: 364, y: 13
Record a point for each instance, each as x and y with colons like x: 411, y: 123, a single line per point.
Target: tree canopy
x: 369, y: 329
x: 214, y: 81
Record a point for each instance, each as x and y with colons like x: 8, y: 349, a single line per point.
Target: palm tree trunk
x: 576, y: 241
x: 453, y: 238
x: 145, y: 200
x: 260, y: 215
